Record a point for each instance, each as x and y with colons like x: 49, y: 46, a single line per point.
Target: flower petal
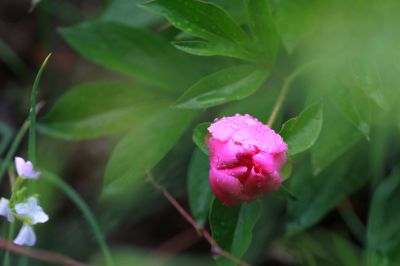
x: 32, y: 210
x: 5, y: 210
x: 25, y: 169
x: 26, y: 236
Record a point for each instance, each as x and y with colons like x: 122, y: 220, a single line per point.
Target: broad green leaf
x: 383, y: 232
x: 263, y: 28
x: 232, y: 227
x: 206, y: 48
x: 258, y: 105
x: 336, y: 137
x: 101, y: 108
x: 200, y: 19
x: 344, y: 99
x: 141, y: 149
x: 317, y: 195
x: 128, y: 256
x: 301, y: 132
x: 199, y: 136
x: 200, y: 195
x: 287, y: 169
x: 128, y: 12
x: 368, y: 78
x: 226, y: 85
x: 295, y: 19
x: 235, y: 8
x: 131, y: 51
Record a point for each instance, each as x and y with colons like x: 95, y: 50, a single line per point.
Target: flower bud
x: 245, y: 159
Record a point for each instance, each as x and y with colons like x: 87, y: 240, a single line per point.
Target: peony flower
x: 5, y: 210
x: 34, y: 214
x: 25, y: 169
x: 245, y: 159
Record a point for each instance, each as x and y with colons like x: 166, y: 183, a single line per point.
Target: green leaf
x: 295, y: 19
x: 32, y: 113
x: 206, y: 48
x: 226, y: 85
x: 317, y: 195
x: 199, y: 136
x: 301, y: 132
x: 368, y: 78
x: 141, y: 149
x: 232, y: 227
x: 102, y: 108
x: 263, y: 28
x: 200, y: 195
x: 200, y: 19
x: 322, y: 247
x: 336, y: 137
x: 346, y: 100
x: 127, y: 12
x: 383, y: 232
x: 131, y: 51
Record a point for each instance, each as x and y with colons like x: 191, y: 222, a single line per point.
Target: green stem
x: 14, y: 146
x: 87, y: 213
x: 284, y: 90
x: 10, y: 236
x: 5, y: 138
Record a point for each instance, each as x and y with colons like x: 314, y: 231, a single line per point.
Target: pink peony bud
x: 245, y: 159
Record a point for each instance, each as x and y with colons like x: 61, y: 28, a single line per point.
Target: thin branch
x: 199, y: 228
x: 284, y: 90
x: 42, y: 255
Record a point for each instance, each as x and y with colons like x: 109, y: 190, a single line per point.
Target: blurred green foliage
x: 183, y: 63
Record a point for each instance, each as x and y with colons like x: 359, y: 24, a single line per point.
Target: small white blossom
x: 25, y: 169
x: 5, y: 210
x: 32, y: 210
x: 26, y: 236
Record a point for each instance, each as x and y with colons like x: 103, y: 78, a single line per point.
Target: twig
x: 199, y: 228
x: 42, y: 255
x: 284, y: 90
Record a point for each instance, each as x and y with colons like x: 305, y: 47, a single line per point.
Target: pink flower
x: 245, y: 159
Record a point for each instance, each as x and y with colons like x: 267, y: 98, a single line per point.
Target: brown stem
x: 42, y: 255
x: 199, y: 228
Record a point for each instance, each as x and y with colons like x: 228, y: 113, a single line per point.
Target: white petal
x: 5, y: 210
x: 26, y: 236
x: 19, y: 165
x: 25, y: 169
x: 32, y: 210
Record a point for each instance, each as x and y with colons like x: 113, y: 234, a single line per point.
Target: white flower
x: 26, y: 236
x: 25, y: 169
x: 32, y: 210
x: 5, y: 210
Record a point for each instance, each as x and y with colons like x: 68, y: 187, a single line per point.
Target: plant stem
x: 13, y: 148
x: 42, y: 255
x: 284, y: 90
x: 199, y: 228
x: 10, y: 236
